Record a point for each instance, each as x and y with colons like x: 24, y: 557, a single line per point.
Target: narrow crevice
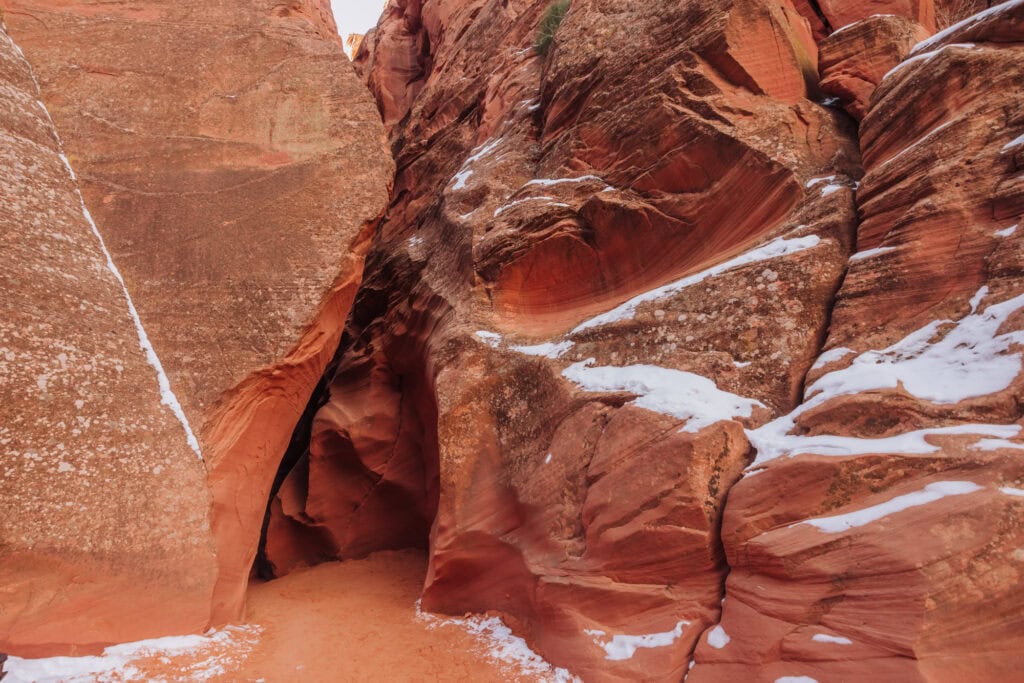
x: 821, y: 15
x: 298, y: 448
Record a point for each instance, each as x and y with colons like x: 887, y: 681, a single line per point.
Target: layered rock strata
x: 543, y: 377
x: 878, y: 533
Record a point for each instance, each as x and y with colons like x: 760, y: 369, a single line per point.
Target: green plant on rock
x: 549, y: 24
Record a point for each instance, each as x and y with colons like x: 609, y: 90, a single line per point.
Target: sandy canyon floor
x: 344, y: 621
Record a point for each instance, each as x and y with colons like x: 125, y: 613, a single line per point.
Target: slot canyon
x: 514, y: 340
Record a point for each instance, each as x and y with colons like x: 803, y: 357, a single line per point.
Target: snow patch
x: 213, y: 651
x: 966, y: 23
x: 831, y: 356
x: 870, y: 253
x: 1006, y: 232
x: 718, y: 638
x: 548, y: 182
x: 997, y: 444
x: 931, y: 493
x: 836, y: 640
x: 682, y: 395
x: 1016, y: 142
x: 796, y: 679
x: 969, y: 361
x: 774, y: 249
x: 547, y: 350
x: 1012, y: 491
x: 622, y: 647
x: 501, y: 645
x: 492, y: 339
x: 462, y: 177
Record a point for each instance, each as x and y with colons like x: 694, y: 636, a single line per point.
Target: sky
x: 356, y: 16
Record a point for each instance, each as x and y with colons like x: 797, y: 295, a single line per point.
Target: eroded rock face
x: 104, y: 535
x: 879, y: 532
x: 854, y: 61
x: 570, y: 458
x: 236, y: 167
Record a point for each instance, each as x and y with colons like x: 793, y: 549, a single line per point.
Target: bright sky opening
x: 356, y: 16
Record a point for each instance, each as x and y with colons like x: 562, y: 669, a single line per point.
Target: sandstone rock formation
x: 853, y: 61
x: 880, y: 528
x: 236, y: 168
x: 658, y: 353
x: 477, y: 397
x: 105, y: 505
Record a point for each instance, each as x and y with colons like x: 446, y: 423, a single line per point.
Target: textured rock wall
x: 878, y: 533
x: 105, y: 505
x: 532, y: 195
x: 236, y: 168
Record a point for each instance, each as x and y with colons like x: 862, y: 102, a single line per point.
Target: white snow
x: 774, y: 249
x: 502, y: 209
x: 796, y: 679
x: 1012, y: 491
x: 871, y: 253
x: 683, y: 395
x: 547, y: 460
x: 547, y: 350
x: 167, y: 396
x: 922, y: 57
x: 478, y: 153
x: 970, y: 360
x: 931, y: 493
x: 773, y: 440
x: 501, y: 645
x: 115, y: 664
x: 1006, y: 232
x: 548, y: 182
x: 996, y: 444
x: 492, y: 339
x: 825, y: 638
x: 1016, y: 142
x: 718, y: 638
x: 928, y: 43
x: 622, y: 647
x: 831, y: 356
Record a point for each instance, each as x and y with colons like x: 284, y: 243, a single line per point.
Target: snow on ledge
x: 718, y: 638
x: 929, y: 494
x: 620, y: 647
x: 683, y: 395
x: 835, y: 640
x: 775, y: 249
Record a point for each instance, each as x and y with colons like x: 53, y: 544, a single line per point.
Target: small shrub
x: 549, y: 25
x: 949, y: 12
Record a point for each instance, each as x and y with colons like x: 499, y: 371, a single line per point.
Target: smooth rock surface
x: 104, y: 534
x: 236, y: 168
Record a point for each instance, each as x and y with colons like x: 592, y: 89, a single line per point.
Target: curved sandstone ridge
x: 235, y: 167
